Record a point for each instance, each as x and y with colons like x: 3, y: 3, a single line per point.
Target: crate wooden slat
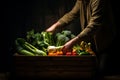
x: 55, y: 66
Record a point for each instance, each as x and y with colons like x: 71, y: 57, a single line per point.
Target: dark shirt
x: 96, y: 21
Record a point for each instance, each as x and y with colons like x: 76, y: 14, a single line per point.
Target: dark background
x: 21, y: 16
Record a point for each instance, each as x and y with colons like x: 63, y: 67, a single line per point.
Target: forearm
x: 86, y: 35
x: 54, y: 27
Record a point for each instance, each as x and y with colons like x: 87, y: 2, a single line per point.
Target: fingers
x: 48, y: 30
x: 66, y: 49
x: 51, y: 29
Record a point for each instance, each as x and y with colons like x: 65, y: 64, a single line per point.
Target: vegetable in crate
x: 21, y: 50
x: 89, y: 49
x: 63, y: 37
x: 23, y: 47
x: 83, y: 49
x: 40, y: 40
x: 48, y: 37
x: 54, y: 51
x: 61, y: 40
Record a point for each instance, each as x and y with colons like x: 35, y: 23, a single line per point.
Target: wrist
x: 57, y: 24
x: 75, y: 40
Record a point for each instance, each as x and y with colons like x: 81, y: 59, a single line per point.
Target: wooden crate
x: 54, y: 66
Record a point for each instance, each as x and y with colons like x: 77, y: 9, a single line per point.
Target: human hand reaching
x: 67, y: 47
x: 50, y: 29
x: 53, y: 27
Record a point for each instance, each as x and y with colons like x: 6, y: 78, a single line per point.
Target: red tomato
x: 69, y: 53
x: 74, y: 53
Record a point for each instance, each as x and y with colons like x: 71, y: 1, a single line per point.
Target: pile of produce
x: 48, y: 44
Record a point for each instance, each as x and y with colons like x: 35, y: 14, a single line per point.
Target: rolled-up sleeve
x: 71, y: 15
x: 95, y: 21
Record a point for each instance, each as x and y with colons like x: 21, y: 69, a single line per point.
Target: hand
x: 50, y: 29
x: 68, y: 46
x: 53, y: 27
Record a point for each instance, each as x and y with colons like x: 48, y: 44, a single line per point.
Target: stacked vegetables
x: 35, y: 43
x: 25, y: 48
x: 83, y: 48
x: 45, y: 43
x: 63, y: 37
